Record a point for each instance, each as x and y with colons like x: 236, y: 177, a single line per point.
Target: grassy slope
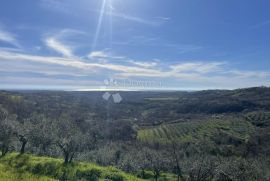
x: 27, y: 167
x: 10, y: 174
x: 192, y: 131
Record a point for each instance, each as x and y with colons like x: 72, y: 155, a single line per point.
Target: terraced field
x: 260, y: 119
x: 194, y: 130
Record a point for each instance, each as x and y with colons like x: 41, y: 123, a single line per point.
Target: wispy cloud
x: 191, y: 71
x: 143, y: 64
x: 249, y: 74
x: 104, y: 54
x: 156, y: 21
x: 198, y: 67
x: 57, y: 41
x: 183, y: 48
x: 73, y: 62
x: 261, y: 24
x: 59, y: 47
x: 136, y: 68
x: 8, y: 37
x: 158, y: 42
x: 210, y: 73
x: 56, y: 5
x: 152, y: 22
x: 98, y: 54
x: 138, y: 41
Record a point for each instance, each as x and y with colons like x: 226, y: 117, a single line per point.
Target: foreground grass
x: 15, y: 167
x: 10, y: 174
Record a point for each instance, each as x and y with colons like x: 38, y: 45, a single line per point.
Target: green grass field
x: 11, y: 174
x: 15, y: 167
x: 194, y: 130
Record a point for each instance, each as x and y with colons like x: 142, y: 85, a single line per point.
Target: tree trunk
x: 66, y: 155
x: 4, y: 151
x: 71, y: 157
x: 179, y: 172
x: 156, y: 173
x: 24, y: 142
x: 143, y: 174
x: 178, y: 168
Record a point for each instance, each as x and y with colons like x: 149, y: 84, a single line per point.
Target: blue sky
x: 182, y: 44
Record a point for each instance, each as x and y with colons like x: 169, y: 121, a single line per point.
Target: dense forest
x: 197, y: 136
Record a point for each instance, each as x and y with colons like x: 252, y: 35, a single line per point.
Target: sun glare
x: 106, y: 9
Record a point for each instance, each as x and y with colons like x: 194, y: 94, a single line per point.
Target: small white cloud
x: 62, y: 42
x: 104, y: 54
x: 164, y: 18
x: 98, y: 54
x: 249, y: 74
x: 8, y: 37
x: 143, y: 64
x: 197, y: 67
x: 59, y: 47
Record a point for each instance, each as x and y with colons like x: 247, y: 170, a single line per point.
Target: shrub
x: 92, y: 175
x: 114, y: 177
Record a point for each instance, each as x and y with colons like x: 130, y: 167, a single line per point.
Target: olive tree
x: 23, y: 131
x: 156, y: 161
x: 42, y: 133
x: 177, y: 152
x: 201, y: 167
x: 6, y: 132
x: 68, y: 137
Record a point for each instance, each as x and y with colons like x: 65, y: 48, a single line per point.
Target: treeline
x: 144, y: 107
